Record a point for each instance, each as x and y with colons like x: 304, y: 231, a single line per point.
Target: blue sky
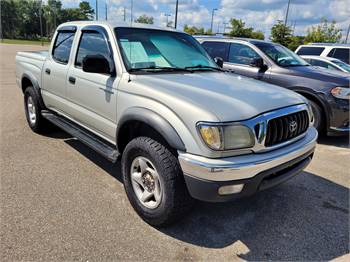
x: 260, y: 14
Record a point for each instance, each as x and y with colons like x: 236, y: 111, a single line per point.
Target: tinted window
x: 241, y: 54
x: 217, y: 49
x: 310, y: 50
x: 320, y: 63
x: 341, y: 54
x: 92, y: 43
x: 62, y: 47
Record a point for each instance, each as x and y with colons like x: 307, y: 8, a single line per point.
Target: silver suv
x: 184, y: 128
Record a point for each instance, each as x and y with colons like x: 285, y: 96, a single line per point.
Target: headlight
x: 341, y: 92
x: 226, y: 137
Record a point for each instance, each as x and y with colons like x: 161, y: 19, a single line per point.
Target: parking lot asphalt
x: 61, y: 201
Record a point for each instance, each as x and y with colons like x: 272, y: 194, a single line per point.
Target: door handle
x: 71, y: 80
x: 48, y: 71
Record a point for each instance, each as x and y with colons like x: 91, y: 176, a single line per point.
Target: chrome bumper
x: 245, y: 166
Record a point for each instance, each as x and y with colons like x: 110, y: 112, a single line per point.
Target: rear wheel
x: 33, y: 111
x: 154, y: 182
x: 318, y: 116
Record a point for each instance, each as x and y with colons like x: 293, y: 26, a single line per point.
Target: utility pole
x: 225, y: 23
x: 106, y: 12
x: 167, y: 19
x: 41, y: 23
x: 176, y: 10
x: 124, y: 14
x: 347, y: 35
x: 212, y: 19
x: 96, y: 9
x: 285, y: 21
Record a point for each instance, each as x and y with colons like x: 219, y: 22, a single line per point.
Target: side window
x: 340, y: 53
x: 241, y: 54
x: 62, y: 47
x: 92, y: 43
x: 217, y: 49
x: 310, y: 50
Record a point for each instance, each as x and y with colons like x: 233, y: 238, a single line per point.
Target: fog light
x: 231, y: 189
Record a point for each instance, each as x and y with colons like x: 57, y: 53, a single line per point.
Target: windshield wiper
x: 204, y: 67
x: 160, y: 69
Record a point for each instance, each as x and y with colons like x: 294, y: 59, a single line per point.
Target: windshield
x: 341, y: 64
x: 281, y: 55
x: 149, y: 49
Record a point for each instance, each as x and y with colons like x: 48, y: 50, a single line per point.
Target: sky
x: 259, y: 14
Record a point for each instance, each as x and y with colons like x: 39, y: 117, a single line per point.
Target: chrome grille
x: 286, y: 127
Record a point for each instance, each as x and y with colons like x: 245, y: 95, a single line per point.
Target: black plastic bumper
x: 206, y: 190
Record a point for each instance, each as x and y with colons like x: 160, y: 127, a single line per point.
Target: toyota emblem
x: 293, y: 125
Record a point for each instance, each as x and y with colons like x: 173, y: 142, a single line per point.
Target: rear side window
x: 92, y: 43
x: 310, y: 50
x: 62, y: 47
x: 217, y: 49
x: 340, y: 53
x: 320, y: 63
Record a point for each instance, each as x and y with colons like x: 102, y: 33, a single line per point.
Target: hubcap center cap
x: 148, y: 181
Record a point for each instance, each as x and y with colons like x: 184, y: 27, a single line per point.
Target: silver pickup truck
x: 184, y: 129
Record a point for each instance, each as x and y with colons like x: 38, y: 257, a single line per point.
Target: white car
x: 327, y: 62
x: 339, y: 51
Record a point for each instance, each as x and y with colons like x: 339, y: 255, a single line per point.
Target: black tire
x: 318, y: 116
x: 175, y: 201
x: 39, y: 125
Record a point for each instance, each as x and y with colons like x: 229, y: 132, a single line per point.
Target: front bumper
x: 338, y: 117
x: 204, y: 176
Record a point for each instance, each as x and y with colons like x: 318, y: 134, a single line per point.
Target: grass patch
x: 23, y: 42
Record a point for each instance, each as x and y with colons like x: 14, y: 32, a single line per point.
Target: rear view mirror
x: 96, y: 64
x: 219, y: 61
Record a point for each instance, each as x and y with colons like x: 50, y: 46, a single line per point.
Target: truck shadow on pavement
x: 338, y: 141
x: 306, y: 218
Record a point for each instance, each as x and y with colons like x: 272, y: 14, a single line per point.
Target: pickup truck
x: 183, y: 128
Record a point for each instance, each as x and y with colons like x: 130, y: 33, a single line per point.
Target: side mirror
x: 257, y: 62
x: 96, y: 64
x: 219, y: 61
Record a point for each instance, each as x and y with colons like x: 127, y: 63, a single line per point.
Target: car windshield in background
x: 343, y: 65
x: 281, y: 55
x: 157, y: 50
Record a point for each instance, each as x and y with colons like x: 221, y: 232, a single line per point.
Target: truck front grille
x: 286, y: 127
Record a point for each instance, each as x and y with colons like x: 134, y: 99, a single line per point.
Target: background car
x: 339, y: 51
x: 327, y: 62
x: 328, y: 91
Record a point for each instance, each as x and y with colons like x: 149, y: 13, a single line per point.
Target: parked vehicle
x: 328, y: 92
x: 184, y: 128
x: 339, y: 51
x: 327, y: 62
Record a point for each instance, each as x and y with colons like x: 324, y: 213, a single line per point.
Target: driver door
x: 239, y: 61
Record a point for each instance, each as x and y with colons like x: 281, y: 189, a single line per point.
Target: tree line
x: 20, y: 19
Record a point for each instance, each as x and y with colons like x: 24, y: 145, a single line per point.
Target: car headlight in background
x: 226, y: 137
x: 341, y: 92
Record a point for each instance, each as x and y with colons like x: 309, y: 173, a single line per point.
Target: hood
x: 322, y: 74
x: 228, y: 96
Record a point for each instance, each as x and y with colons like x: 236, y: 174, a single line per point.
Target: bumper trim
x: 340, y: 129
x: 245, y: 166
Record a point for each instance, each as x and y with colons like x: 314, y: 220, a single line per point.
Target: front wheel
x: 154, y: 183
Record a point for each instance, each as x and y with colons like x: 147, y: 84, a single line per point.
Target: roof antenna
x: 131, y: 9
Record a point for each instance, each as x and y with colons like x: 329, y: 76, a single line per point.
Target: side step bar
x: 91, y: 140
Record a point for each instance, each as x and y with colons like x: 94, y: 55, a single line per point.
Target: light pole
x: 176, y: 10
x: 96, y: 10
x: 41, y: 23
x: 285, y: 21
x: 167, y: 19
x: 212, y: 19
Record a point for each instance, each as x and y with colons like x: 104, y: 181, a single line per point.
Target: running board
x: 91, y: 140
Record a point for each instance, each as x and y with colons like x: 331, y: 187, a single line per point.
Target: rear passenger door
x: 56, y: 67
x: 93, y: 96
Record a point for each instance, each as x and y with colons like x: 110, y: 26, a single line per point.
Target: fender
x: 154, y: 120
x: 36, y: 87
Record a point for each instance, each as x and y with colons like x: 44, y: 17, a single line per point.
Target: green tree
x: 326, y: 32
x: 193, y: 30
x: 144, y: 19
x: 296, y: 41
x: 9, y: 19
x: 281, y: 34
x: 239, y: 29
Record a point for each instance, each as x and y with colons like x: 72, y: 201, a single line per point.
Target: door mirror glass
x: 96, y: 64
x: 219, y: 61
